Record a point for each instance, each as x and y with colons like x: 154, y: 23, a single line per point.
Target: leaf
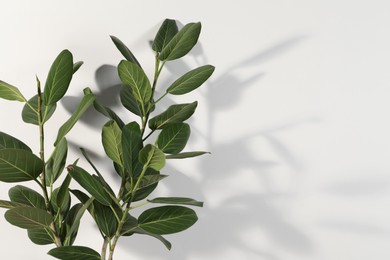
x: 131, y: 145
x: 40, y: 236
x: 149, y: 180
x: 10, y: 92
x: 191, y: 80
x: 185, y: 155
x: 164, y: 35
x: 167, y: 219
x: 59, y: 77
x: 151, y: 156
x: 19, y: 165
x: 144, y: 189
x: 129, y: 225
x: 64, y: 207
x: 174, y: 114
x: 173, y: 138
x: 182, y: 42
x: 108, y: 113
x: 129, y: 101
x: 74, y: 253
x: 133, y: 76
x: 10, y: 204
x: 7, y: 141
x: 105, y: 219
x: 67, y: 126
x: 72, y: 224
x: 56, y: 163
x: 124, y: 50
x: 26, y: 196
x: 28, y: 217
x: 84, y: 198
x: 93, y: 186
x: 141, y: 231
x: 30, y: 115
x: 112, y: 141
x: 63, y: 197
x: 77, y: 66
x: 177, y: 200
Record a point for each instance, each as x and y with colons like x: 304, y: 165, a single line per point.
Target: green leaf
x: 191, y: 80
x: 84, y: 198
x: 129, y: 102
x: 10, y: 204
x: 77, y: 66
x: 133, y: 76
x: 141, y: 231
x: 59, y: 78
x: 112, y: 141
x: 28, y: 217
x: 131, y: 145
x: 74, y: 253
x: 67, y: 126
x: 177, y: 200
x: 10, y: 92
x: 164, y: 35
x: 173, y: 138
x: 182, y: 42
x: 30, y: 111
x: 149, y: 180
x: 167, y: 219
x: 19, y: 165
x: 174, y: 114
x: 144, y: 189
x: 130, y: 224
x: 125, y: 51
x: 108, y: 113
x: 64, y: 207
x: 93, y: 186
x: 105, y: 219
x: 7, y: 141
x: 26, y: 196
x: 40, y: 236
x: 57, y: 161
x: 185, y: 155
x: 151, y: 156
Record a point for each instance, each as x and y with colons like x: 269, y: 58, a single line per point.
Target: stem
x: 104, y: 248
x: 118, y: 233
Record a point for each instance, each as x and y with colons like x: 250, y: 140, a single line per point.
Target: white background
x: 296, y: 116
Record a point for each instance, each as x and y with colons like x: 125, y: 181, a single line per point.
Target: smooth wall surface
x: 296, y: 117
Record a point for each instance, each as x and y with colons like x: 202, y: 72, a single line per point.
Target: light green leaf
x: 105, y: 219
x: 131, y: 145
x: 74, y: 253
x: 173, y: 138
x: 40, y: 236
x: 19, y: 165
x: 133, y: 76
x: 177, y: 200
x: 28, y: 217
x: 10, y: 92
x: 174, y: 114
x: 164, y: 35
x: 125, y: 51
x: 7, y: 141
x: 30, y: 111
x: 10, y: 204
x: 93, y: 186
x: 59, y: 77
x: 151, y: 156
x: 167, y: 219
x: 26, y: 196
x: 191, y: 80
x: 186, y: 155
x: 56, y: 163
x: 67, y: 126
x: 182, y: 42
x: 112, y: 141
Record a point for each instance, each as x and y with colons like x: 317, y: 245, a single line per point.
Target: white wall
x: 296, y: 117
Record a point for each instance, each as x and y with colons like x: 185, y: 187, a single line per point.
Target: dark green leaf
x: 105, y: 219
x: 30, y: 111
x: 167, y: 219
x: 112, y: 141
x: 59, y: 78
x: 147, y: 184
x: 173, y: 138
x: 182, y: 42
x: 28, y: 217
x: 64, y: 207
x: 164, y: 35
x: 108, y: 113
x: 141, y: 231
x: 93, y: 186
x: 10, y: 204
x: 177, y: 200
x: 128, y: 101
x: 40, y: 236
x: 149, y: 180
x: 129, y: 225
x: 74, y: 253
x: 26, y: 196
x: 63, y: 196
x: 131, y: 145
x: 191, y: 80
x: 56, y: 163
x: 185, y: 155
x: 151, y: 156
x: 7, y: 141
x: 84, y: 198
x: 76, y: 66
x: 125, y: 51
x: 67, y: 126
x: 10, y: 92
x: 72, y: 224
x: 19, y: 165
x: 174, y: 114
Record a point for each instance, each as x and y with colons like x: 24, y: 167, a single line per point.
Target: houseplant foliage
x: 138, y: 150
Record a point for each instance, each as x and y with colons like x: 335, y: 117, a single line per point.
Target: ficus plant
x: 138, y: 150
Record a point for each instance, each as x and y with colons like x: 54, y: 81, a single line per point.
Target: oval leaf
x: 174, y: 114
x: 191, y: 80
x: 112, y: 141
x: 173, y: 138
x: 167, y: 219
x: 28, y: 217
x: 39, y: 236
x: 27, y: 196
x: 9, y: 142
x: 10, y: 204
x: 105, y: 219
x: 125, y: 51
x: 59, y: 78
x: 19, y: 165
x: 131, y: 145
x: 10, y: 92
x: 56, y: 163
x: 30, y: 111
x: 151, y: 156
x: 129, y: 102
x: 164, y: 35
x: 74, y: 253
